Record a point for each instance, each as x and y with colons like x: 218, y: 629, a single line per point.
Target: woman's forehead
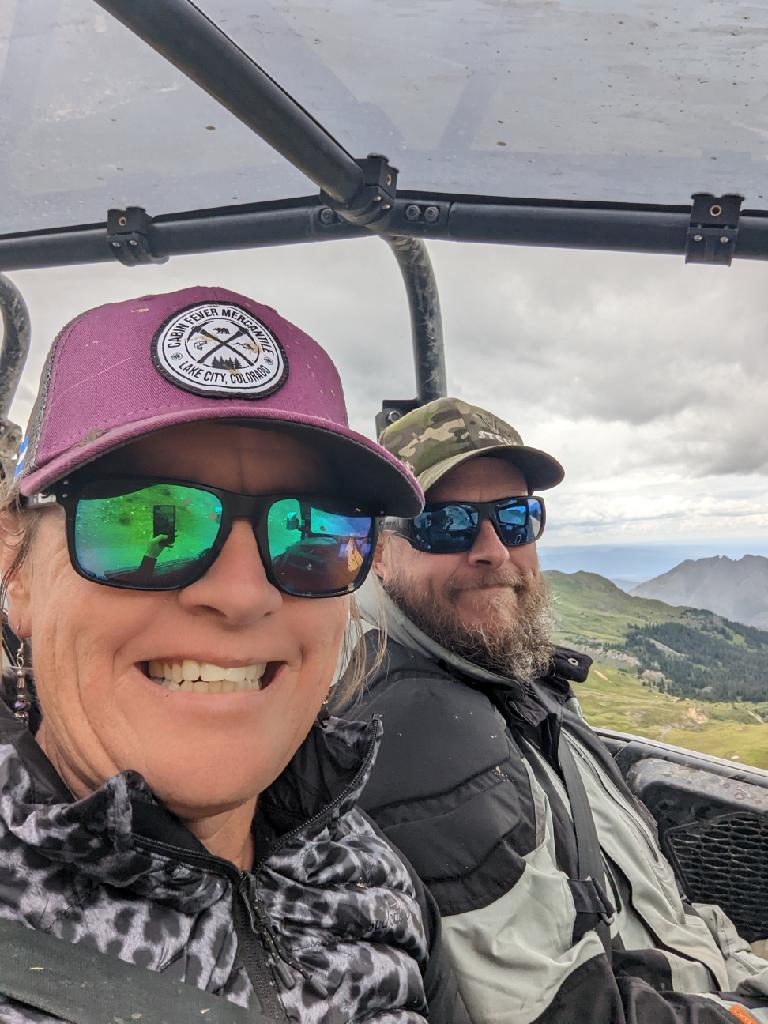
x: 227, y: 455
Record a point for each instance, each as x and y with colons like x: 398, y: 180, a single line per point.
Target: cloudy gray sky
x: 645, y: 377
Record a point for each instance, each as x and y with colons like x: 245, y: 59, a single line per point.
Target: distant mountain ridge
x: 734, y: 588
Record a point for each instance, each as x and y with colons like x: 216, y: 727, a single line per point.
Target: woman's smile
x: 189, y: 675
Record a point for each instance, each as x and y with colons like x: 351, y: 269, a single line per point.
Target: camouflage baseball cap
x: 436, y: 437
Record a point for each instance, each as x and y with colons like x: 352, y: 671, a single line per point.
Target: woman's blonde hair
x: 14, y: 521
x: 356, y: 665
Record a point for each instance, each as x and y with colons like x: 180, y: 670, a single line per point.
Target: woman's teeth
x: 204, y: 677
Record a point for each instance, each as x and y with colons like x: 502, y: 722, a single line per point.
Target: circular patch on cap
x: 220, y: 350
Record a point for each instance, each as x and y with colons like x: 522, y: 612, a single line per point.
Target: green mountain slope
x: 589, y: 608
x: 659, y: 670
x: 685, y: 651
x: 614, y: 699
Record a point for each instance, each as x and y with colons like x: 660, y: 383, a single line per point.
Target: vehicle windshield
x: 611, y: 101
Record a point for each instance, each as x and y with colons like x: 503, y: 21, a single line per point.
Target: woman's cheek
x: 78, y: 630
x: 327, y: 632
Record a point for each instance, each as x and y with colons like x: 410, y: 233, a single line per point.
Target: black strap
x: 83, y: 986
x: 590, y: 856
x: 10, y: 643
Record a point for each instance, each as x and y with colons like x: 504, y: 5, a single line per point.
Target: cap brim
x: 370, y: 474
x: 540, y: 470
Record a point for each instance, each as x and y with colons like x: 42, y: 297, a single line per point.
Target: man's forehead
x: 483, y: 478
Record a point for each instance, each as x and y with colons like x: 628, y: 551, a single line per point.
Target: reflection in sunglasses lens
x: 153, y: 534
x: 452, y: 528
x: 314, y: 550
x: 163, y: 536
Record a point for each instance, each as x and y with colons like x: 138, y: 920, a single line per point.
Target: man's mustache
x: 520, y: 582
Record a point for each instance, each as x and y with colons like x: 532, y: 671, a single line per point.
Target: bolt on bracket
x: 425, y: 213
x: 371, y: 205
x: 129, y: 237
x: 713, y: 229
x: 393, y: 409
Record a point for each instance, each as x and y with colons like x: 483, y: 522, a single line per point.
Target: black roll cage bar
x: 358, y: 197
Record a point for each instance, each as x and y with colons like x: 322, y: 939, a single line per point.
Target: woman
x: 189, y: 517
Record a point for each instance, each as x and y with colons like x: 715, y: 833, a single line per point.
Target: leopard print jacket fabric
x: 332, y: 905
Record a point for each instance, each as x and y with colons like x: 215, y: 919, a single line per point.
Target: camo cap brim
x: 435, y: 438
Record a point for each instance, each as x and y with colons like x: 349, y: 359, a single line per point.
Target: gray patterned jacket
x: 330, y: 927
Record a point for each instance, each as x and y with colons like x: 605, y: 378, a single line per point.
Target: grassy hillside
x: 685, y: 651
x: 590, y: 609
x: 625, y: 687
x: 614, y: 699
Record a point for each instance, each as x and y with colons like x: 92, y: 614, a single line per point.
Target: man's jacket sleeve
x: 747, y: 972
x: 446, y: 1005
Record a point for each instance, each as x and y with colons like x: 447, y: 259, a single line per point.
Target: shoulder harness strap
x: 590, y: 856
x: 83, y: 986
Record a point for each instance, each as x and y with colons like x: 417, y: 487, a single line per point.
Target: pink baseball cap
x: 127, y: 369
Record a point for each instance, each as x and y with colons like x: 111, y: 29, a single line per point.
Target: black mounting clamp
x: 392, y: 410
x: 713, y: 229
x: 129, y: 237
x: 371, y: 205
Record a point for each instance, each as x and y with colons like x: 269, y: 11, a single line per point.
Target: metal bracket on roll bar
x: 713, y: 229
x: 372, y: 204
x: 392, y: 410
x: 129, y: 237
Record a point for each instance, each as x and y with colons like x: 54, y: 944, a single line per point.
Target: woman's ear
x: 15, y: 574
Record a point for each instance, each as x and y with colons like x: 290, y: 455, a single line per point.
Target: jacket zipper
x: 269, y: 956
x: 261, y: 954
x: 278, y: 957
x: 326, y: 812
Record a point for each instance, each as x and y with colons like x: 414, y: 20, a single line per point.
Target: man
x: 558, y: 905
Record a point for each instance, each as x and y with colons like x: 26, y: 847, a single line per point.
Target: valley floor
x: 614, y: 699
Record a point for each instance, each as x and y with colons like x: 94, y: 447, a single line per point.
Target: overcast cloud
x: 645, y: 377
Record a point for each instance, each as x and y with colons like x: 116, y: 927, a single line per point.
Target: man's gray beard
x: 518, y: 645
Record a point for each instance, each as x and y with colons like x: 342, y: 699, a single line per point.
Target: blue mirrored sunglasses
x: 451, y: 527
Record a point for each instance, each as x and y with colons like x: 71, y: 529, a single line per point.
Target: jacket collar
x: 322, y: 782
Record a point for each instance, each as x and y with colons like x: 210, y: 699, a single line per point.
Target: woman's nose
x: 236, y: 585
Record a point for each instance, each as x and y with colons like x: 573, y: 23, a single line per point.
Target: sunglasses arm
x: 42, y: 500
x: 393, y: 524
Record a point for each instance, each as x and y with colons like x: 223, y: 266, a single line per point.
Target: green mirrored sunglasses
x: 142, y: 533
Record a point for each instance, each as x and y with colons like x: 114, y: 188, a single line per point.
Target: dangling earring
x: 23, y: 702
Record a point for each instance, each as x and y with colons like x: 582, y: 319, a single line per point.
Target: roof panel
x: 91, y: 117
x: 603, y: 100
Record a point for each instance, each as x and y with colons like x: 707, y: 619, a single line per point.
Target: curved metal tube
x: 13, y: 356
x: 426, y: 319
